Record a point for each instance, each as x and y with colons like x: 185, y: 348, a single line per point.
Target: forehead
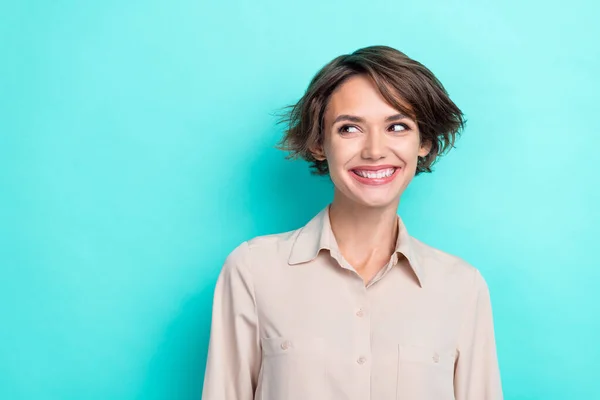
x: 359, y: 95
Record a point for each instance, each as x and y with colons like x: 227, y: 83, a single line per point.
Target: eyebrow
x: 354, y: 118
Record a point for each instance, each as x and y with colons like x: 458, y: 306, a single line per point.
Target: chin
x: 375, y: 201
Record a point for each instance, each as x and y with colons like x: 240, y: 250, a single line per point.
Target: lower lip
x: 375, y: 181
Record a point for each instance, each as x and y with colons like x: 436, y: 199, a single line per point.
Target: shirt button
x: 361, y: 360
x: 436, y: 358
x: 286, y: 345
x: 360, y: 313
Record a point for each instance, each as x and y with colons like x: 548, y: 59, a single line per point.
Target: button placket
x: 361, y: 343
x: 363, y: 326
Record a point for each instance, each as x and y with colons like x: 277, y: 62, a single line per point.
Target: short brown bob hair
x: 404, y: 83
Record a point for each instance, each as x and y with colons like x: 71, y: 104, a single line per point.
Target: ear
x: 425, y: 148
x: 317, y: 153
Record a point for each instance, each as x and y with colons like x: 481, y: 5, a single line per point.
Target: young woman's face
x: 370, y: 147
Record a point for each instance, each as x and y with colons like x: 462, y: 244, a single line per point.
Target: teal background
x: 136, y: 151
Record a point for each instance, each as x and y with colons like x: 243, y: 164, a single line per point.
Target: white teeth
x: 383, y: 173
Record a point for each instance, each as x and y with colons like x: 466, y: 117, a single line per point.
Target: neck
x: 364, y: 234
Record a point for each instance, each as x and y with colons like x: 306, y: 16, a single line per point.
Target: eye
x: 348, y: 129
x: 399, y: 127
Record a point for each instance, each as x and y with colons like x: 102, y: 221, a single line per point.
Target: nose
x: 374, y: 146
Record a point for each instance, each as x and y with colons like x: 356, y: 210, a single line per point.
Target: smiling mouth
x: 380, y: 174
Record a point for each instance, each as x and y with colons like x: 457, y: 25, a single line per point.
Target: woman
x: 351, y: 306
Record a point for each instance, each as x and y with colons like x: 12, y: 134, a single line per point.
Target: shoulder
x: 272, y: 242
x: 263, y: 249
x: 448, y: 269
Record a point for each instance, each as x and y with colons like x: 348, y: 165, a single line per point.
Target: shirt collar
x: 317, y: 235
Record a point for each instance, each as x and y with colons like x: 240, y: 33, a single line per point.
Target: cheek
x: 341, y: 153
x: 407, y: 150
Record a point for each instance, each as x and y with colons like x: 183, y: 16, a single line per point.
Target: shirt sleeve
x: 234, y: 355
x: 477, y: 375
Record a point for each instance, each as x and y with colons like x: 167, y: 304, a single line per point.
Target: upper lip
x: 374, y: 167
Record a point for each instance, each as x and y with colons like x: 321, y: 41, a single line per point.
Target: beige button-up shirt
x: 292, y: 320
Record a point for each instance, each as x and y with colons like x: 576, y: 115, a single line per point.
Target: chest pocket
x: 292, y: 368
x: 424, y: 373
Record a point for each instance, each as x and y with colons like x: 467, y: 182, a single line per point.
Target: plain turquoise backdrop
x: 136, y: 151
